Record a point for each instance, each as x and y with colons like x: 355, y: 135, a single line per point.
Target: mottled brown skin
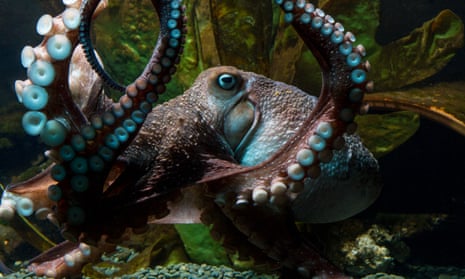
x: 192, y: 133
x: 164, y: 158
x: 233, y: 150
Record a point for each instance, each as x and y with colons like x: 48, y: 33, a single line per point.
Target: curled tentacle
x: 344, y: 84
x: 275, y: 183
x: 86, y: 148
x: 52, y: 114
x: 86, y: 42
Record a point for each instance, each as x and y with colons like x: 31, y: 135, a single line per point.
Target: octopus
x: 244, y: 154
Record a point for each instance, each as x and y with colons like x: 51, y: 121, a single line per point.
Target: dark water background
x: 425, y: 175
x: 17, y: 29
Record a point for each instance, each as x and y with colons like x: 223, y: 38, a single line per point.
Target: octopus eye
x: 226, y: 81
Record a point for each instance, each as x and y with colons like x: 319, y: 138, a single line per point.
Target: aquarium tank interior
x: 232, y: 139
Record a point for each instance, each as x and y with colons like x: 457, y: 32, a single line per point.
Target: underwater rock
x: 370, y: 246
x: 367, y: 252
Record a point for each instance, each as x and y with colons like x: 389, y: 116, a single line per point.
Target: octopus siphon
x: 244, y: 154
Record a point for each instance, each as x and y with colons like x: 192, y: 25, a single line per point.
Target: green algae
x: 231, y: 33
x: 419, y: 55
x: 243, y: 33
x: 442, y: 102
x: 382, y: 133
x: 200, y: 246
x: 360, y: 17
x: 135, y: 25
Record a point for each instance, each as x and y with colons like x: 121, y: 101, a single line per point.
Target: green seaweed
x: 361, y: 17
x: 382, y: 133
x: 257, y: 39
x: 442, y: 102
x: 200, y: 246
x: 243, y: 33
x: 419, y: 55
x: 287, y: 52
x: 409, y: 60
x: 244, y: 39
x: 135, y: 26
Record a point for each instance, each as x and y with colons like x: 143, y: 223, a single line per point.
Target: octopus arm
x: 350, y: 183
x: 165, y: 159
x: 55, y: 262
